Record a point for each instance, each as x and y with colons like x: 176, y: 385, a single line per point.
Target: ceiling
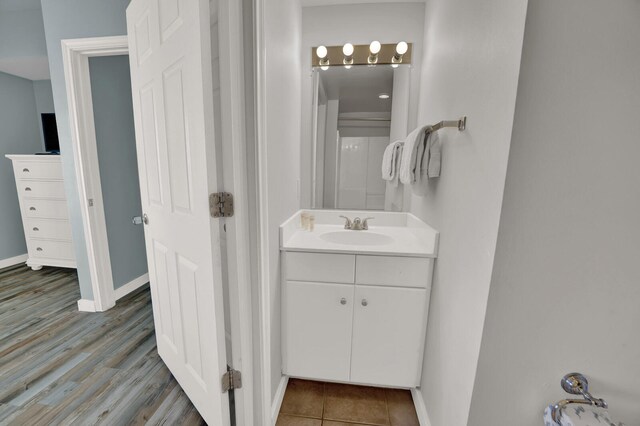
x: 14, y: 5
x: 358, y: 88
x: 31, y: 68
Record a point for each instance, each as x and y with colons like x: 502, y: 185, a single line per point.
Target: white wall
x: 357, y: 24
x: 565, y: 291
x: 282, y: 33
x: 471, y: 66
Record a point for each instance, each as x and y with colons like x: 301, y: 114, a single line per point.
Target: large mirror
x: 356, y: 112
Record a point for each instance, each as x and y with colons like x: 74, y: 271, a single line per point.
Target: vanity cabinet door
x: 388, y: 335
x: 317, y: 329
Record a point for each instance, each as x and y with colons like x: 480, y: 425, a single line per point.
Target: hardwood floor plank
x: 59, y: 366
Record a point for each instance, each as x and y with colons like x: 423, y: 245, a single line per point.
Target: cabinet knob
x: 39, y: 249
x: 343, y: 301
x: 27, y: 189
x: 25, y: 170
x: 364, y: 302
x: 32, y: 209
x: 35, y: 228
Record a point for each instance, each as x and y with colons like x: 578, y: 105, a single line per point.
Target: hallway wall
x: 470, y: 67
x: 565, y: 291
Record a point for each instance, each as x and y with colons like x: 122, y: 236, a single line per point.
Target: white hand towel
x: 390, y: 160
x: 434, y: 149
x: 409, y: 162
x: 580, y: 415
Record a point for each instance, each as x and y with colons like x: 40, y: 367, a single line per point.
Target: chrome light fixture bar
x: 372, y: 54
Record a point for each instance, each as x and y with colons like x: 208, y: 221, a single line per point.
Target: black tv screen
x: 50, y: 132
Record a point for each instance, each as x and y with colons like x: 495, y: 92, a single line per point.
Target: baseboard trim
x: 278, y: 398
x: 131, y: 286
x: 86, y: 305
x: 5, y: 263
x: 421, y: 409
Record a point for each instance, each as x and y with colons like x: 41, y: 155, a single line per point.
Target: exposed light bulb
x: 383, y: 96
x: 401, y: 48
x: 347, y: 67
x: 394, y: 65
x: 375, y: 47
x: 347, y: 49
x: 321, y: 52
x: 324, y: 67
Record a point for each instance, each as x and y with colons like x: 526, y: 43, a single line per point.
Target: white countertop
x: 409, y: 236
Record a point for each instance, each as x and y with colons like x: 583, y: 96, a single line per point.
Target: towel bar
x: 575, y: 384
x: 461, y: 124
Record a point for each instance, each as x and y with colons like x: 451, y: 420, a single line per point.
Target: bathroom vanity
x: 355, y: 303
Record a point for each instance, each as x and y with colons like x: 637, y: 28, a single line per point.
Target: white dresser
x: 45, y: 215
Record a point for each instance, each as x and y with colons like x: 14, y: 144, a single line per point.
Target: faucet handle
x: 365, y: 224
x: 347, y: 222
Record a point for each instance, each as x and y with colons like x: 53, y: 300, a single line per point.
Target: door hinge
x: 232, y: 379
x: 221, y: 204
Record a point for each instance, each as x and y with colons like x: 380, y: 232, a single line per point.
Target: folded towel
x: 390, y: 160
x: 430, y: 158
x: 580, y: 415
x: 409, y: 163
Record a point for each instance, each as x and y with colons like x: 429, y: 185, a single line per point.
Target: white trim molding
x: 75, y: 56
x: 131, y: 286
x: 278, y: 398
x: 421, y: 409
x: 5, y: 263
x: 86, y: 305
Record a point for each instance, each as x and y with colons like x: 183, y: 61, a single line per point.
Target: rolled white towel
x: 580, y: 415
x: 409, y: 163
x: 390, y: 160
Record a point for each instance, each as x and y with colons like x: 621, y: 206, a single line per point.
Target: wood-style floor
x: 59, y: 366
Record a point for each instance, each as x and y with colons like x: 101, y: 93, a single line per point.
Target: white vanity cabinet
x: 355, y: 318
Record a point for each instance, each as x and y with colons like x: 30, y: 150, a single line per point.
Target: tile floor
x: 309, y: 403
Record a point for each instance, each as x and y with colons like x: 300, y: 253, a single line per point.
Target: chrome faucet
x: 356, y: 224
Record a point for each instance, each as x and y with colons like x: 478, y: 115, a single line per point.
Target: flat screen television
x: 50, y: 132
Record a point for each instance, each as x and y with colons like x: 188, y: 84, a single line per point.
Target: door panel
x: 171, y: 82
x: 388, y: 352
x: 317, y: 329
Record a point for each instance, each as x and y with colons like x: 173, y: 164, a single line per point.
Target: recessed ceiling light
x: 383, y: 96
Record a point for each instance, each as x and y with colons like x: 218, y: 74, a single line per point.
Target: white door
x: 172, y: 97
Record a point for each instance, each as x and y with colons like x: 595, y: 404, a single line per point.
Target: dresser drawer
x: 53, y: 209
x: 55, y: 229
x: 41, y: 189
x: 394, y: 271
x: 320, y: 267
x: 50, y: 249
x: 38, y: 169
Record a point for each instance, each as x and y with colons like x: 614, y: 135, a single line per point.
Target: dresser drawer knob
x: 25, y: 170
x: 32, y: 209
x: 35, y: 228
x: 364, y: 302
x: 343, y: 301
x: 39, y: 249
x: 27, y: 189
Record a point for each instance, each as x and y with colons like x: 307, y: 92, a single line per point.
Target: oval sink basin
x: 356, y: 238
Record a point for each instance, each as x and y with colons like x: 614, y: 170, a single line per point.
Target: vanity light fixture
x: 401, y: 49
x: 321, y: 53
x: 374, y: 49
x: 347, y: 51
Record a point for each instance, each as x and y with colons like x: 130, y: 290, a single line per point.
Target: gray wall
x: 115, y: 138
x: 44, y: 101
x: 565, y: 291
x: 18, y: 135
x: 22, y: 34
x: 65, y: 19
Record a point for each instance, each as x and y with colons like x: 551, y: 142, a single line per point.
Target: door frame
x: 75, y: 58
